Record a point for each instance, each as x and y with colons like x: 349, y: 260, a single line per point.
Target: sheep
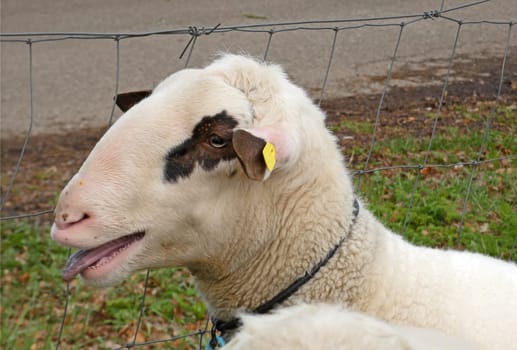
x: 229, y: 171
x: 325, y: 326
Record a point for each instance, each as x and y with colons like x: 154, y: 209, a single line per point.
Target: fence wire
x: 272, y: 29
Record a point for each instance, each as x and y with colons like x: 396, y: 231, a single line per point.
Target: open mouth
x: 91, y: 263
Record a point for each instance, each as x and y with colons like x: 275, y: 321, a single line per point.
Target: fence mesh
x: 270, y: 31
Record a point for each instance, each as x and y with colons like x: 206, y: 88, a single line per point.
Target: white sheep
x: 323, y: 326
x: 181, y: 179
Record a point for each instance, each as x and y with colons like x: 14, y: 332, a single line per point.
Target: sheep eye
x: 217, y: 141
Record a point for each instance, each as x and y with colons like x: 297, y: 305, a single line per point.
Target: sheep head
x: 161, y: 187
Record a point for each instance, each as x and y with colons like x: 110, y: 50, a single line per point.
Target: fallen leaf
x: 24, y: 277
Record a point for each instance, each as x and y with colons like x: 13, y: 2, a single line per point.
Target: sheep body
x: 324, y: 326
x: 442, y: 288
x: 246, y: 233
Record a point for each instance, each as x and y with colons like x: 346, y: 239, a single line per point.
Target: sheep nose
x: 67, y: 218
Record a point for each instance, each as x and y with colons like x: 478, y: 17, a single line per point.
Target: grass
x: 33, y: 299
x: 437, y: 194
x: 33, y: 295
x: 358, y: 127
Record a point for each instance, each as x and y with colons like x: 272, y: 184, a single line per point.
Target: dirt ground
x: 50, y: 160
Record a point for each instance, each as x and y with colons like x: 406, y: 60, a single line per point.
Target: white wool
x: 324, y: 326
x: 246, y: 240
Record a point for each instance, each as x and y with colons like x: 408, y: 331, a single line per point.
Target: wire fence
x: 271, y: 31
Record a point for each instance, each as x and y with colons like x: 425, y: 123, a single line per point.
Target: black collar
x: 234, y: 323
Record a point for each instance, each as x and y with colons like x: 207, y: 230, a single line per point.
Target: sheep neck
x: 242, y: 279
x: 234, y: 323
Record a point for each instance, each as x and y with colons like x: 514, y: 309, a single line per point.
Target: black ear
x: 127, y: 100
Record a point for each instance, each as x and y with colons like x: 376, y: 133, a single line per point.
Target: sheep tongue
x: 78, y: 262
x: 83, y: 258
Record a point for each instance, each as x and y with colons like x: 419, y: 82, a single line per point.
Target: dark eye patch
x: 182, y: 159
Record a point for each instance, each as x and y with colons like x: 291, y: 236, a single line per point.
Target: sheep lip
x: 85, y: 258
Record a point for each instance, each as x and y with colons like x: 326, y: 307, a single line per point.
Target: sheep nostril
x: 65, y: 220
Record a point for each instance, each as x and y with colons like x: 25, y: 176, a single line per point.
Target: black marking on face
x: 210, y: 143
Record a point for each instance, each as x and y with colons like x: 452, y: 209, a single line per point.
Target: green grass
x: 28, y: 273
x: 33, y: 294
x: 358, y: 127
x: 435, y: 216
x: 33, y: 298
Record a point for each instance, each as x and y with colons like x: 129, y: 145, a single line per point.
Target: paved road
x: 74, y: 80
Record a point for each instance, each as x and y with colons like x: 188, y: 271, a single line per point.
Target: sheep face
x: 151, y: 192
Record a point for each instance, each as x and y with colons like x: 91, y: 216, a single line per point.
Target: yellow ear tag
x: 269, y: 154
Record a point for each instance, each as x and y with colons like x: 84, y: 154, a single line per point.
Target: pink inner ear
x: 285, y: 145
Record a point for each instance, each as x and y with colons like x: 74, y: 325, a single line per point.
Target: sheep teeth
x: 106, y: 259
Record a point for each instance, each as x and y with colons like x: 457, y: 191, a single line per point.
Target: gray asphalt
x: 74, y: 80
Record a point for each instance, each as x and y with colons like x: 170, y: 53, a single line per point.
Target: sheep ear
x: 261, y: 150
x: 127, y: 100
x: 249, y: 150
